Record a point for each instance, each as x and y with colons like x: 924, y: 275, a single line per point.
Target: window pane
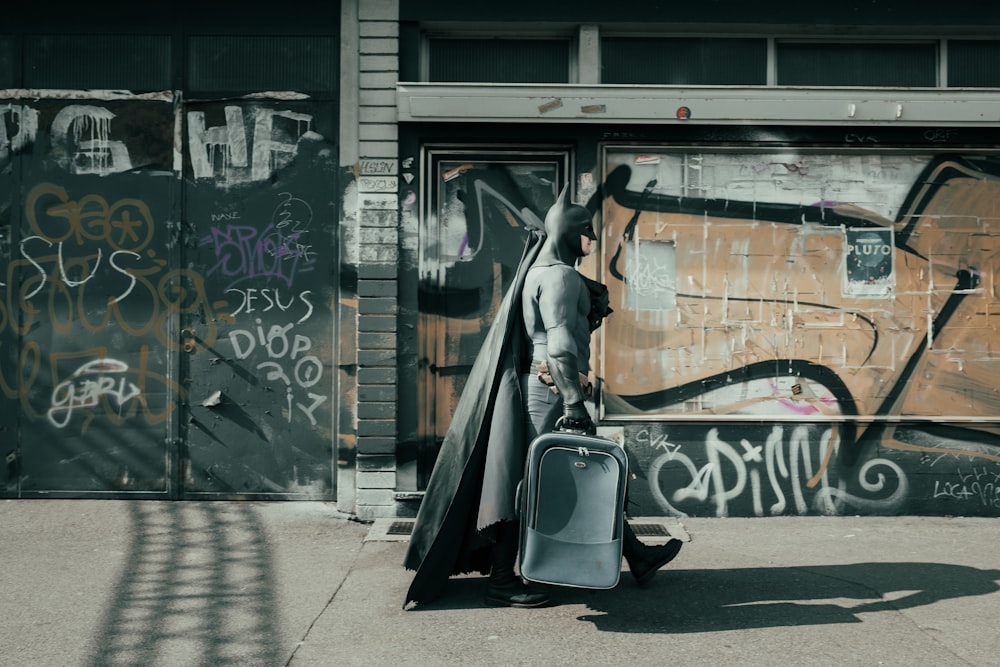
x: 684, y: 61
x: 856, y: 64
x: 109, y: 62
x: 973, y: 63
x: 499, y: 60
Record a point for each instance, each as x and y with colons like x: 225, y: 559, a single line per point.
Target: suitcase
x: 572, y: 501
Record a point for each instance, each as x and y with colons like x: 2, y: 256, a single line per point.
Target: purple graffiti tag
x: 244, y: 253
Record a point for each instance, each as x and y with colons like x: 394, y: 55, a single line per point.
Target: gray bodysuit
x: 555, y: 304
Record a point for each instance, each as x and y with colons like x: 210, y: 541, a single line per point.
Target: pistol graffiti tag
x: 87, y: 386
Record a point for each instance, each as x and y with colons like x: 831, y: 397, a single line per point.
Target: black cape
x: 474, y: 481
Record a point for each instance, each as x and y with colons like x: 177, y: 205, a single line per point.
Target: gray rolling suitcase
x: 572, y: 502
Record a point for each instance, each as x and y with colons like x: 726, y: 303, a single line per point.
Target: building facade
x: 257, y: 257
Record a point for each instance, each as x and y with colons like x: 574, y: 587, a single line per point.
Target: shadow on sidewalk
x: 691, y: 601
x: 687, y: 601
x: 197, y: 588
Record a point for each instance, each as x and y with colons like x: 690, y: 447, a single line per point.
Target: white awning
x: 620, y: 104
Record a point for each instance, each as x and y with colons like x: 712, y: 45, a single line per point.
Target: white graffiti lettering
x: 22, y: 117
x: 980, y: 485
x: 89, y: 150
x: 87, y: 386
x: 62, y: 265
x: 317, y: 400
x: 227, y: 144
x: 282, y: 348
x: 767, y: 472
x: 254, y: 300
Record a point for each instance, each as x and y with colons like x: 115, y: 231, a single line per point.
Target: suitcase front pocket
x: 548, y: 560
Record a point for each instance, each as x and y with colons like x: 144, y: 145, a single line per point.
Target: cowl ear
x: 555, y: 213
x: 562, y: 201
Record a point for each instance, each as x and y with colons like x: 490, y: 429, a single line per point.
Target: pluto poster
x: 869, y: 268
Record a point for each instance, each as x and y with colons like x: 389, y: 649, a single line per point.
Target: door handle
x: 188, y: 339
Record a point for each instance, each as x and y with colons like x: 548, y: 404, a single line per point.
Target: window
x: 499, y: 60
x: 477, y: 55
x: 684, y: 61
x: 973, y: 63
x: 884, y: 64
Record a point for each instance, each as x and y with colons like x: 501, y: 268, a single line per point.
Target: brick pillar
x: 378, y: 258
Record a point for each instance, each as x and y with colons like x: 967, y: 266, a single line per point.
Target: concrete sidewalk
x: 149, y: 583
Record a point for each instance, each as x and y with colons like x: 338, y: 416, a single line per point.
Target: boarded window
x: 856, y: 64
x: 499, y: 60
x: 230, y: 64
x: 104, y: 62
x: 684, y: 61
x: 974, y: 63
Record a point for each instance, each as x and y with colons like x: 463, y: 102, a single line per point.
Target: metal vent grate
x: 240, y: 63
x: 856, y: 64
x: 973, y: 63
x: 116, y: 62
x: 499, y: 60
x: 684, y: 61
x: 650, y: 529
x: 7, y: 79
x: 400, y: 528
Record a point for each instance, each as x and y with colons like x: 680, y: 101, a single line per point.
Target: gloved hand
x: 576, y: 418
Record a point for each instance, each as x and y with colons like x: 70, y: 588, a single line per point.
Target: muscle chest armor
x: 571, y: 310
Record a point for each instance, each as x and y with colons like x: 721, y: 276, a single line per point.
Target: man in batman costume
x: 467, y: 520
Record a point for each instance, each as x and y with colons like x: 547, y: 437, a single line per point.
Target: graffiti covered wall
x: 166, y: 312
x: 803, y: 332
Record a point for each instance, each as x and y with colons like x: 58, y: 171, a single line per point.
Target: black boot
x: 505, y: 588
x: 643, y: 559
